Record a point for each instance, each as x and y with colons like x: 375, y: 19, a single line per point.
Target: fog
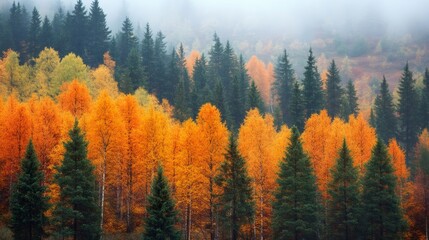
x: 249, y: 23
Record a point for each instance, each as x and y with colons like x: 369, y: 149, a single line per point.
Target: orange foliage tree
x: 75, y: 98
x: 263, y: 75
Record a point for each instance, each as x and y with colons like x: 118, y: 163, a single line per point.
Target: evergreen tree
x: 295, y: 208
x: 159, y: 65
x: 297, y: 117
x: 132, y: 74
x: 46, y: 36
x: 77, y: 27
x: 162, y: 216
x: 76, y: 214
x: 381, y: 213
x: 385, y: 119
x: 58, y: 27
x: 219, y: 101
x: 172, y: 78
x: 28, y: 201
x: 243, y: 86
x: 372, y: 121
x: 254, y: 99
x: 34, y: 34
x: 148, y: 57
x: 350, y: 102
x: 127, y: 41
x: 228, y: 67
x: 18, y: 25
x: 424, y: 103
x: 343, y: 201
x: 99, y: 35
x: 334, y: 91
x: 408, y: 116
x: 312, y: 91
x: 284, y: 85
x: 183, y: 89
x: 235, y: 104
x: 236, y: 205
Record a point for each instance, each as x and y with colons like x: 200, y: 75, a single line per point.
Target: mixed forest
x: 106, y: 135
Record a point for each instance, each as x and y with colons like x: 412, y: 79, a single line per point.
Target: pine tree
x: 254, y: 99
x: 162, y: 216
x: 78, y: 33
x: 297, y: 117
x: 424, y: 103
x: 284, y: 85
x: 46, y: 37
x: 312, y: 91
x: 77, y: 213
x: 132, y: 75
x: 18, y: 25
x: 183, y: 88
x: 343, y: 202
x: 34, y: 34
x: 148, y: 57
x: 385, y: 119
x: 381, y: 214
x: 236, y: 205
x: 172, y: 78
x: 407, y: 111
x: 219, y: 101
x: 295, y: 208
x: 99, y: 35
x: 215, y: 62
x: 350, y: 102
x: 372, y: 121
x: 159, y: 65
x: 58, y: 27
x: 243, y: 86
x: 127, y: 41
x: 334, y: 91
x: 28, y: 201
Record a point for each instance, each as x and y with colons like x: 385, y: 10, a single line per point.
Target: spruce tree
x: 372, y: 121
x: 385, y: 119
x: 99, y: 35
x: 162, y: 216
x: 132, y: 75
x: 127, y: 41
x: 295, y: 208
x: 172, y: 79
x: 77, y: 214
x: 381, y: 214
x: 34, y: 34
x: 297, y: 116
x: 77, y: 27
x: 350, y: 102
x: 236, y: 204
x: 424, y: 103
x: 46, y: 36
x: 283, y: 85
x: 58, y: 27
x: 28, y: 202
x: 334, y: 91
x: 407, y: 111
x: 148, y: 57
x: 343, y: 201
x: 254, y: 99
x: 159, y: 65
x: 312, y: 91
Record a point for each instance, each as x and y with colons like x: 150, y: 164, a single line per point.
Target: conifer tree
x: 34, y: 34
x: 424, y: 103
x: 349, y: 102
x: 58, y: 27
x: 77, y: 27
x: 28, y: 201
x: 297, y: 117
x: 312, y: 91
x: 76, y: 215
x: 283, y: 85
x: 132, y: 75
x: 407, y: 111
x: 343, y: 202
x: 46, y: 37
x: 334, y: 91
x: 236, y: 204
x: 385, y: 119
x: 127, y: 41
x: 162, y: 217
x: 159, y: 65
x: 254, y: 99
x: 381, y: 214
x: 372, y: 121
x: 148, y: 57
x: 295, y: 208
x: 99, y: 35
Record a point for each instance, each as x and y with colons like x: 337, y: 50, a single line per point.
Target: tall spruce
x: 349, y: 102
x: 254, y: 99
x: 283, y: 86
x: 295, y: 207
x: 385, y: 119
x: 334, y: 92
x: 34, y: 34
x: 127, y: 41
x: 77, y: 28
x: 28, y: 202
x: 58, y: 27
x: 160, y: 65
x: 312, y: 87
x: 148, y: 57
x: 77, y: 214
x: 161, y: 213
x: 407, y: 111
x: 99, y: 35
x: 297, y: 115
x: 343, y: 201
x: 381, y: 214
x: 46, y: 34
x: 182, y: 99
x: 236, y: 204
x: 132, y: 75
x: 424, y: 103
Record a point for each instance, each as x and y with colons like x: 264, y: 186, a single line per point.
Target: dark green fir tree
x: 385, y: 119
x: 297, y: 116
x: 99, y: 35
x: 28, y: 202
x: 424, y: 103
x: 283, y: 86
x: 77, y: 214
x: 295, y: 207
x: 312, y: 87
x: 34, y: 34
x: 334, y: 92
x: 162, y: 217
x: 254, y: 99
x: 343, y: 201
x: 236, y: 204
x: 381, y: 214
x: 349, y: 102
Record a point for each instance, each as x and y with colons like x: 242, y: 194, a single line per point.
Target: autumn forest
x: 110, y: 136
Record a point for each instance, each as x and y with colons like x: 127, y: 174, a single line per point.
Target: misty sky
x: 193, y: 22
